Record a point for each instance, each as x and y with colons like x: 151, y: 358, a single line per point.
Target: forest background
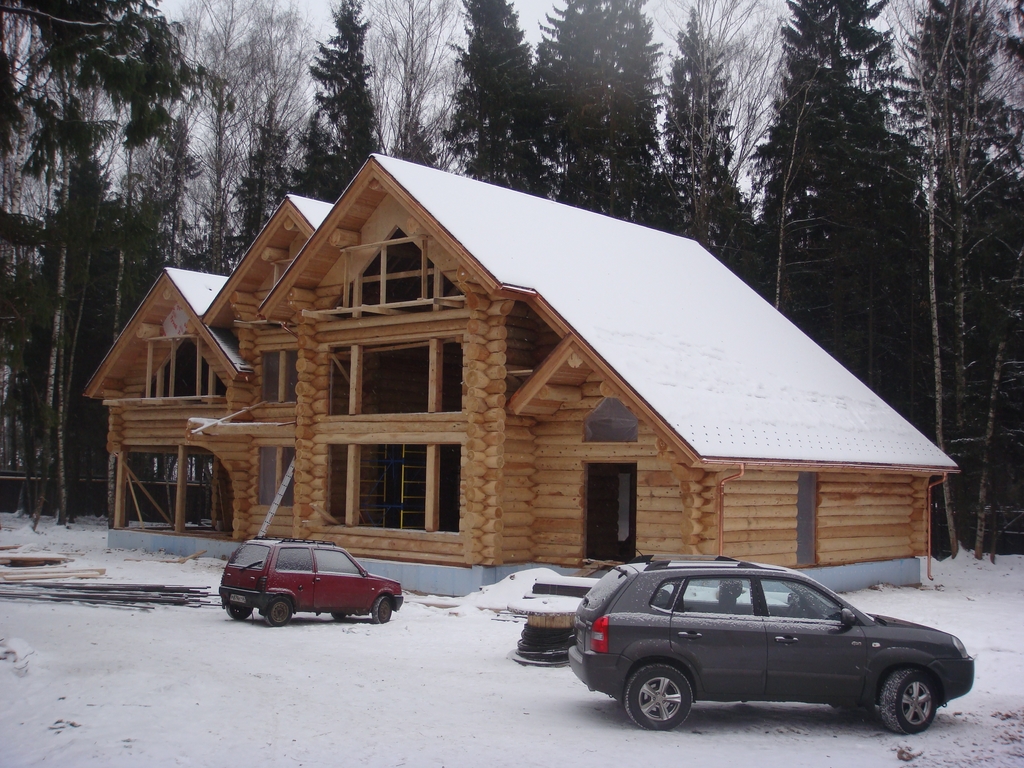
x: 859, y: 164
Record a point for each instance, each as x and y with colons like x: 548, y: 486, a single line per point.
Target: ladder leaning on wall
x: 277, y: 499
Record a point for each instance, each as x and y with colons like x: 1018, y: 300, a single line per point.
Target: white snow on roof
x: 198, y: 288
x: 315, y: 211
x: 729, y: 373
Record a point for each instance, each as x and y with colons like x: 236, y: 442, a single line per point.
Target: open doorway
x: 611, y: 512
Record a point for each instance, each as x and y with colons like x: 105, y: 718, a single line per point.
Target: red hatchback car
x: 280, y: 577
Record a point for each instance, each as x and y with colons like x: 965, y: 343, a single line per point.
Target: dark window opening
x: 448, y: 488
x: 341, y: 372
x: 393, y: 486
x: 395, y: 380
x: 274, y: 463
x: 611, y: 511
x: 177, y: 378
x: 451, y: 379
x: 280, y: 375
x: 610, y: 422
x: 338, y: 482
x: 400, y: 273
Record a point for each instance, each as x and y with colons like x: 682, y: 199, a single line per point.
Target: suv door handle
x: 786, y: 640
x: 689, y: 635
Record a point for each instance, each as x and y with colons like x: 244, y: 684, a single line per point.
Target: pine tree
x: 698, y: 143
x: 836, y: 182
x: 340, y: 134
x: 264, y: 184
x: 597, y: 69
x: 497, y: 114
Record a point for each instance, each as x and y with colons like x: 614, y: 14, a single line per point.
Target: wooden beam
x: 274, y: 254
x: 355, y: 383
x: 148, y: 330
x: 149, y: 368
x: 433, y: 484
x: 131, y: 478
x: 182, y: 489
x: 119, y: 490
x: 535, y: 383
x: 434, y: 376
x: 173, y: 369
x: 199, y: 367
x: 352, y: 486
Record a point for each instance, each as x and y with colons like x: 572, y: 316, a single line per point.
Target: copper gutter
x: 928, y: 517
x: 721, y: 508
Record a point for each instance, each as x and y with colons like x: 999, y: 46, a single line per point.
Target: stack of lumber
x: 108, y: 594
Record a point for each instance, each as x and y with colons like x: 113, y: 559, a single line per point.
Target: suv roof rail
x: 671, y: 560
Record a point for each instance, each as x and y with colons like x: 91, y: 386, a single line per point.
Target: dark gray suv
x: 659, y: 635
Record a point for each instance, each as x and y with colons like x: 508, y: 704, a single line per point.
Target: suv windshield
x: 249, y: 555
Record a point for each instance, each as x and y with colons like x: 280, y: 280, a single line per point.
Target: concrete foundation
x: 454, y: 581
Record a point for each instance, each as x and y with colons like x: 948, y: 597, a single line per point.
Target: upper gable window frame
x: 587, y: 430
x: 431, y: 278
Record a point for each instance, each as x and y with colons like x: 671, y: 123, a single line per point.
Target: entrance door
x: 611, y: 511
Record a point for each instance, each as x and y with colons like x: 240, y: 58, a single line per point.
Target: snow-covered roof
x: 198, y: 288
x: 315, y: 211
x: 730, y: 374
x: 229, y: 346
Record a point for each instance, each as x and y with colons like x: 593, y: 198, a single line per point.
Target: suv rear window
x: 601, y: 594
x: 249, y: 554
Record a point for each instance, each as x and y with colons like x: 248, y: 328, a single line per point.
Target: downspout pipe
x: 721, y: 508
x: 928, y: 518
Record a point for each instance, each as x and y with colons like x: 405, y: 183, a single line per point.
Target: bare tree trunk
x: 56, y: 340
x: 933, y: 304
x: 990, y: 422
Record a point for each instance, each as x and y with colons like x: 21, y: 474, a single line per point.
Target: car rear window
x: 601, y: 594
x: 249, y: 554
x: 294, y: 559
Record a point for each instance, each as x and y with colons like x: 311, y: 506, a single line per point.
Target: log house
x: 470, y: 376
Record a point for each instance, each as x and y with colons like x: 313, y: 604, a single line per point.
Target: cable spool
x: 546, y: 640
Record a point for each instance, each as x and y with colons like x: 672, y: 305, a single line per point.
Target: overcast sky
x: 531, y: 16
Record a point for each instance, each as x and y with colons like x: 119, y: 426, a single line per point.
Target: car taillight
x: 261, y: 583
x: 599, y: 635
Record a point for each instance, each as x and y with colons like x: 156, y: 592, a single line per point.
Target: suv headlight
x: 960, y: 647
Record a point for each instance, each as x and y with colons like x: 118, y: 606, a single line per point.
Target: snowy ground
x: 105, y: 686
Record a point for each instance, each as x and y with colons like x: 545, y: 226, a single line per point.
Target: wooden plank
x: 866, y: 489
x: 433, y: 485
x: 355, y: 389
x: 352, y: 485
x: 182, y: 488
x: 119, y: 521
x: 853, y: 500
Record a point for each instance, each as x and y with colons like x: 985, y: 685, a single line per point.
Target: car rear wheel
x: 908, y: 701
x: 658, y: 697
x: 239, y: 612
x: 279, y: 612
x: 381, y: 611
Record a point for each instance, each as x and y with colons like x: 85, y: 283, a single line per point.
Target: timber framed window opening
x: 397, y: 486
x: 399, y: 276
x: 419, y: 377
x: 274, y: 461
x: 176, y: 367
x: 610, y: 422
x: 280, y: 375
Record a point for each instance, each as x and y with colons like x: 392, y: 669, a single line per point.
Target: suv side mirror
x: 848, y: 618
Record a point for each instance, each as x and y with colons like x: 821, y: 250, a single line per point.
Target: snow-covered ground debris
x: 167, y: 686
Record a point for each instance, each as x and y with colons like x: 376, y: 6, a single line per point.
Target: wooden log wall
x: 760, y: 516
x: 870, y: 517
x: 519, y: 494
x: 559, y: 516
x: 483, y: 483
